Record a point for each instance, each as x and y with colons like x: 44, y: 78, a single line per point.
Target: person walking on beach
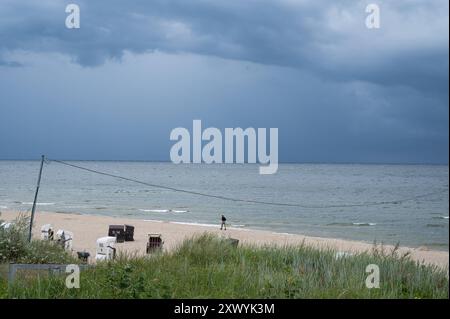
x: 223, y: 224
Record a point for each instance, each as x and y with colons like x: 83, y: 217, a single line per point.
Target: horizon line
x: 284, y: 162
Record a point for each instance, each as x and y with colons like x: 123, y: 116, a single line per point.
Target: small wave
x: 238, y: 226
x: 435, y: 225
x: 352, y: 224
x: 67, y: 213
x: 195, y: 224
x: 154, y: 210
x: 153, y: 220
x: 3, y: 207
x: 364, y: 224
x: 39, y: 204
x: 163, y: 211
x: 119, y: 191
x: 76, y: 206
x: 441, y: 217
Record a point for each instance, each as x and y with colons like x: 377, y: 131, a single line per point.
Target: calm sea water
x: 422, y: 221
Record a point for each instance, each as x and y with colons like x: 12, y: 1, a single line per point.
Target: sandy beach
x: 87, y: 228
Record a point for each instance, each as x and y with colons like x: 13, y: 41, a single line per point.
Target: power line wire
x: 250, y: 201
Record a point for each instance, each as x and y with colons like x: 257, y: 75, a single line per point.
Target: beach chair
x: 129, y: 233
x: 105, y: 248
x: 64, y: 238
x: 117, y: 231
x: 121, y: 232
x: 155, y: 243
x: 47, y: 232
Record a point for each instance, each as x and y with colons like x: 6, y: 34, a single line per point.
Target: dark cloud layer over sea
x: 115, y: 88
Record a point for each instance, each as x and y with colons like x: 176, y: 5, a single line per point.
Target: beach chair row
x: 105, y: 246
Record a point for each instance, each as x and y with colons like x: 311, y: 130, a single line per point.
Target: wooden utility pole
x: 35, y: 198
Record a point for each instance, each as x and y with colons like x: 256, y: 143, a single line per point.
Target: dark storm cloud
x: 324, y: 37
x: 337, y: 91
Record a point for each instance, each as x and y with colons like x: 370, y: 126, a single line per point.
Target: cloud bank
x: 328, y: 38
x: 338, y: 91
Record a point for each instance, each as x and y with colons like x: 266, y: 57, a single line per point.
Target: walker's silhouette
x: 223, y: 224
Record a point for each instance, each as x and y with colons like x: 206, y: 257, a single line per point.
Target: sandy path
x: 87, y: 228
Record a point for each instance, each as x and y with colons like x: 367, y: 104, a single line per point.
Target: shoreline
x: 423, y: 247
x: 87, y: 228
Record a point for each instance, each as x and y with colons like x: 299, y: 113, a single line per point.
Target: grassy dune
x: 209, y: 267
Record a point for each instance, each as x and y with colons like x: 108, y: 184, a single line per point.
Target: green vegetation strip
x: 210, y: 267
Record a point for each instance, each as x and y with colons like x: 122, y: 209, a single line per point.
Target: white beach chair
x: 47, y: 232
x: 105, y: 248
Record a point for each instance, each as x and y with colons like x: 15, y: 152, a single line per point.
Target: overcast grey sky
x: 116, y: 87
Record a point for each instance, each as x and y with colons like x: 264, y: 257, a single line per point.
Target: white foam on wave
x: 364, y: 224
x: 77, y: 206
x: 351, y: 224
x: 195, y: 224
x: 39, y: 204
x: 3, y: 207
x: 153, y: 221
x: 163, y: 211
x: 154, y: 210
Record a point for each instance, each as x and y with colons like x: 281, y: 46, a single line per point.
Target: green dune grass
x: 209, y: 267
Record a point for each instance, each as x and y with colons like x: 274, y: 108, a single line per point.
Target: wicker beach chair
x: 155, y: 243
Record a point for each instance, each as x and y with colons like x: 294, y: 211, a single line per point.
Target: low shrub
x: 15, y: 247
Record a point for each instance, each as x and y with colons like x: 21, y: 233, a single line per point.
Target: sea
x: 389, y: 204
